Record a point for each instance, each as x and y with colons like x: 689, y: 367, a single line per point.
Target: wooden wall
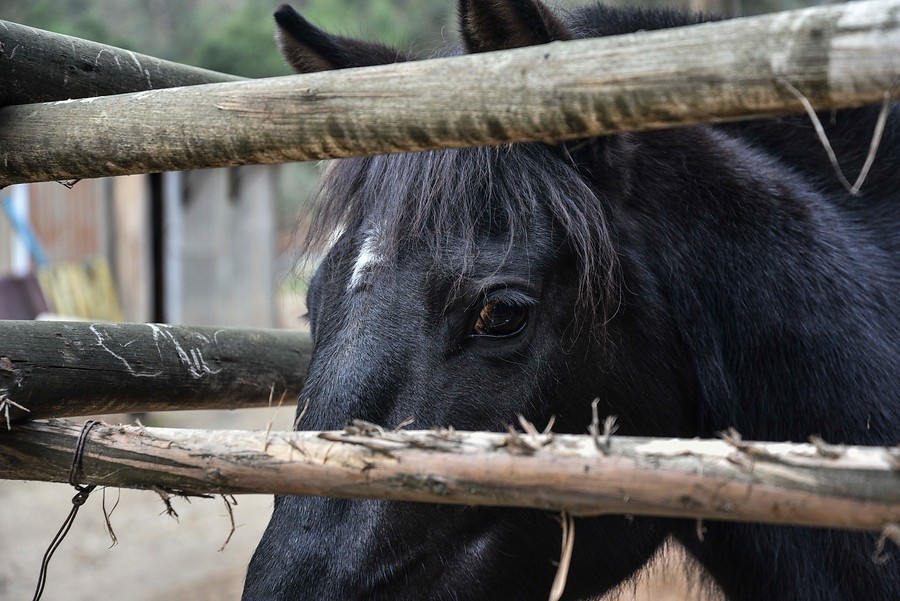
x: 220, y: 257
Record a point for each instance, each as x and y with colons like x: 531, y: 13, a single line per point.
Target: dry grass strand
x: 565, y: 558
x: 826, y: 144
x: 108, y: 514
x: 230, y: 504
x: 891, y: 532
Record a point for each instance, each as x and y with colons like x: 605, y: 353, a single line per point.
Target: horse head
x: 679, y: 277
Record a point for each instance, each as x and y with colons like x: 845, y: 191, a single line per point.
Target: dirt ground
x: 159, y: 558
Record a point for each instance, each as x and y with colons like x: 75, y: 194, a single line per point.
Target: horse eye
x: 498, y: 319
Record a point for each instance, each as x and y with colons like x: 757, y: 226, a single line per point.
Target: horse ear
x: 502, y: 24
x: 308, y: 49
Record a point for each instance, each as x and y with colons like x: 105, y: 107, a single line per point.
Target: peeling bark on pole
x: 846, y: 487
x: 41, y: 66
x: 58, y: 369
x: 838, y: 56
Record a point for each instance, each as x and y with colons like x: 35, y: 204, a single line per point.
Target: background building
x: 196, y: 247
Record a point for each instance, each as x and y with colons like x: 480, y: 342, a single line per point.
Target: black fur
x: 308, y: 49
x: 736, y: 283
x: 505, y: 24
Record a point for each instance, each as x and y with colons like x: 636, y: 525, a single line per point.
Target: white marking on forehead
x: 370, y: 256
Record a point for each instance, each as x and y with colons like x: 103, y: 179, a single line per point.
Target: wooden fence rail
x: 838, y: 56
x: 58, y: 369
x: 40, y: 66
x: 815, y: 485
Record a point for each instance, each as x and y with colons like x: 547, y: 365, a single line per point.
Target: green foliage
x: 405, y: 24
x: 242, y: 44
x: 83, y: 19
x: 233, y: 36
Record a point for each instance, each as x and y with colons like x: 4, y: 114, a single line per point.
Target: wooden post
x: 838, y: 56
x: 40, y: 66
x: 132, y: 261
x: 802, y: 484
x: 57, y: 369
x: 227, y: 261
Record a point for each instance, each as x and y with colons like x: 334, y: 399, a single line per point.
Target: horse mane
x: 448, y: 198
x: 445, y: 201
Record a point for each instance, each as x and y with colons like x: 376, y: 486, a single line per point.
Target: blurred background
x: 212, y: 247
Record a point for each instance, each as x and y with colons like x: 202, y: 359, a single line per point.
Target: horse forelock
x: 445, y: 203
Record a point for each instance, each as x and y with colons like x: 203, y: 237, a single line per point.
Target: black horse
x: 694, y: 280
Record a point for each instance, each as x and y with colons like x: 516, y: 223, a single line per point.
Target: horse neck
x: 786, y: 314
x: 785, y: 310
x: 751, y: 562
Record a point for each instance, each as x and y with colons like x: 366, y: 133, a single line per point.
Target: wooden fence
x: 808, y: 484
x: 59, y: 369
x: 837, y: 56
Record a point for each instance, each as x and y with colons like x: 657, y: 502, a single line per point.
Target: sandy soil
x: 157, y: 558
